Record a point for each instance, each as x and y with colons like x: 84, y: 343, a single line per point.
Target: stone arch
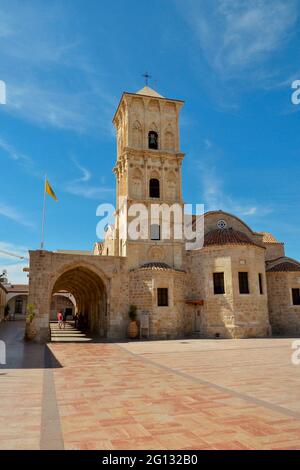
x: 17, y: 303
x: 156, y: 254
x: 137, y: 182
x: 153, y: 137
x: 138, y: 105
x: 62, y: 301
x: 154, y: 174
x: 137, y: 135
x: 171, y: 186
x: 89, y: 286
x: 154, y: 184
x: 153, y: 127
x: 170, y: 108
x: 169, y: 139
x: 153, y: 106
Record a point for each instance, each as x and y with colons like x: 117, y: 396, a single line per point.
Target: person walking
x: 64, y: 318
x: 6, y: 313
x: 59, y: 319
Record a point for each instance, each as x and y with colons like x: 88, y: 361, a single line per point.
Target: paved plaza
x: 76, y: 393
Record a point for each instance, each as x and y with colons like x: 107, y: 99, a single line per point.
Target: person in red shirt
x: 60, y: 319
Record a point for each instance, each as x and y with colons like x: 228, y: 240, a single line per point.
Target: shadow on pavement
x: 21, y: 354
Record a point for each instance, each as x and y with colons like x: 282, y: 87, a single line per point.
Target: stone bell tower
x: 148, y: 171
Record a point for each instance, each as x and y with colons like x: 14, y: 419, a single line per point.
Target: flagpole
x: 44, y: 214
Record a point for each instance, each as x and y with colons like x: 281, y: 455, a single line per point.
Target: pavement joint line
x: 51, y: 437
x: 220, y: 388
x: 213, y: 350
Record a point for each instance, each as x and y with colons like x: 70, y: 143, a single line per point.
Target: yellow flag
x: 50, y: 191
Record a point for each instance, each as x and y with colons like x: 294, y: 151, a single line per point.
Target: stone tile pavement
x: 189, y: 394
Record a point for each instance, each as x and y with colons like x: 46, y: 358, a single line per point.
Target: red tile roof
x: 269, y: 238
x: 227, y: 236
x: 286, y: 266
x: 16, y: 287
x: 159, y: 266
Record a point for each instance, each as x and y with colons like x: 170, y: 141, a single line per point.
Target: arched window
x: 153, y: 140
x: 154, y: 188
x: 155, y: 232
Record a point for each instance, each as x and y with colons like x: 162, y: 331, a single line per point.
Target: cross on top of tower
x: 147, y: 76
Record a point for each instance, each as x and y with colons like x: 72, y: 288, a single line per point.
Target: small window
x: 260, y: 281
x: 219, y: 285
x: 153, y: 140
x: 154, y: 188
x: 243, y: 283
x: 296, y: 296
x: 155, y: 232
x: 162, y: 297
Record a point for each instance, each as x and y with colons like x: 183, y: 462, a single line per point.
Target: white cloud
x: 208, y: 144
x: 14, y: 268
x: 215, y: 197
x: 81, y: 111
x: 15, y: 272
x: 238, y: 35
x: 79, y: 186
x: 50, y: 79
x: 13, y: 153
x: 7, y: 248
x: 25, y: 162
x: 15, y: 215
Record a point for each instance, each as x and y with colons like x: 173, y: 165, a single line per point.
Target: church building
x: 237, y: 284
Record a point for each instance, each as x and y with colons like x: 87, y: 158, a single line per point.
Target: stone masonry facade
x: 239, y: 284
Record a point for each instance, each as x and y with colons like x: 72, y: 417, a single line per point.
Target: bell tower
x: 148, y: 171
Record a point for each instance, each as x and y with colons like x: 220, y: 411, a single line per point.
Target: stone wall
x: 230, y: 315
x: 165, y: 322
x: 284, y: 316
x: 46, y: 268
x: 274, y: 250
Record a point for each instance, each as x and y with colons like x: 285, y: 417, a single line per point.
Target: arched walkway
x: 90, y: 295
x: 17, y: 304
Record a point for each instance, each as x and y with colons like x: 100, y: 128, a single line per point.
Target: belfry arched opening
x: 90, y: 295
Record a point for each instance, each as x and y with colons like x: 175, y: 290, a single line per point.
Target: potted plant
x: 132, y: 327
x: 30, y: 330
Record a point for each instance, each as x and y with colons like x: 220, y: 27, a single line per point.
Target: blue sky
x: 66, y: 64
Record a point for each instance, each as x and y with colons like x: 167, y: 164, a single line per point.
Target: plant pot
x: 133, y: 329
x: 30, y: 331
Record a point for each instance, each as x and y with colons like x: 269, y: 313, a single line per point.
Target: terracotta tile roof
x: 268, y: 237
x: 16, y: 287
x: 158, y: 266
x: 227, y: 236
x: 286, y: 266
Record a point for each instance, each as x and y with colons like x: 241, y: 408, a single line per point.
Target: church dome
x: 227, y: 236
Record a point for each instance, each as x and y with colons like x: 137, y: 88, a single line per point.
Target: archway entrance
x: 90, y: 296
